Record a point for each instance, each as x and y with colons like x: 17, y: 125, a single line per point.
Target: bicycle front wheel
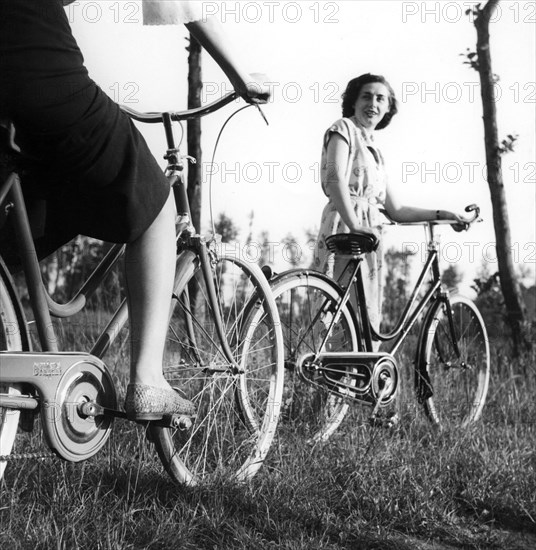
x: 307, y: 302
x: 454, y: 377
x: 11, y: 339
x: 237, y: 401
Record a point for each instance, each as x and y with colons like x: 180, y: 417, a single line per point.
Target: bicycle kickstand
x: 383, y: 421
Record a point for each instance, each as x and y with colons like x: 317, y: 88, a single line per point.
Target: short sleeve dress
x: 367, y: 186
x: 171, y: 12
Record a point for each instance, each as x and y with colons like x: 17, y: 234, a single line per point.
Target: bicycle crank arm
x: 91, y: 409
x: 179, y: 421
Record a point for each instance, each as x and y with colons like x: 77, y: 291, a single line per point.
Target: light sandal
x: 151, y: 403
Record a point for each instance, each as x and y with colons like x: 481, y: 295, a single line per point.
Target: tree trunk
x: 509, y: 284
x: 195, y: 86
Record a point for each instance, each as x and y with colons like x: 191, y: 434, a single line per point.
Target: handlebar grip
x: 473, y: 208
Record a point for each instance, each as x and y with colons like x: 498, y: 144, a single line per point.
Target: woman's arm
x: 213, y: 38
x: 336, y: 183
x: 401, y: 213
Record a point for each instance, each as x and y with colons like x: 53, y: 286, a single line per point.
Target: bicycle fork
x: 199, y: 245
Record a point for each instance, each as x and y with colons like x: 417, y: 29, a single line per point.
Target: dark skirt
x: 84, y: 159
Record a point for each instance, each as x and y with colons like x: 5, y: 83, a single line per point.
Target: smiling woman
x: 354, y: 179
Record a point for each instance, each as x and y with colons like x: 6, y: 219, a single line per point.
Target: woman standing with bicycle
x: 354, y: 180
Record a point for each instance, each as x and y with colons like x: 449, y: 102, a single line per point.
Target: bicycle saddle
x: 352, y: 244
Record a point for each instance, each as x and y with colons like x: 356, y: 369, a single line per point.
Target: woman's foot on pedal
x: 144, y: 403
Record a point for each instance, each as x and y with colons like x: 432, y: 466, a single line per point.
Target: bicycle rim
x: 237, y: 413
x: 458, y: 382
x: 306, y: 304
x: 10, y: 339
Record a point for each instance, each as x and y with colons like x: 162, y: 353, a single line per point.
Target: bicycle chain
x: 26, y: 456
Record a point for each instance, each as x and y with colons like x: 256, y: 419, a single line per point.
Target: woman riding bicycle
x: 89, y: 166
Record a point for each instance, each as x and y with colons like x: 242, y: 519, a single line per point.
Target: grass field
x: 368, y: 488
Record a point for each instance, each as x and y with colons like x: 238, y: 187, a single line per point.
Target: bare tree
x: 481, y: 62
x: 195, y: 87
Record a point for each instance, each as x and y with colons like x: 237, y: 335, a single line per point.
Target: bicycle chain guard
x: 64, y: 383
x: 370, y: 378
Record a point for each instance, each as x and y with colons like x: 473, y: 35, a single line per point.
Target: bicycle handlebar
x: 198, y: 112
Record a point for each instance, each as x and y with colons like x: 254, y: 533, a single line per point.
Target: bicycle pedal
x: 182, y: 422
x: 175, y: 421
x: 384, y: 421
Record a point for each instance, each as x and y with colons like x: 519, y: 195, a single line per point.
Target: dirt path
x: 485, y: 538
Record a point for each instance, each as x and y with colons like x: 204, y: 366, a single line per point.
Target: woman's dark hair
x: 349, y: 97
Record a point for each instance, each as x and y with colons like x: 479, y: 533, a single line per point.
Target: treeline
x: 65, y: 271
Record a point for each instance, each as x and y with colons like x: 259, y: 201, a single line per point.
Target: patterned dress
x: 367, y: 186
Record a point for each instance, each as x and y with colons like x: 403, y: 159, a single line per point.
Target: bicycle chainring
x: 73, y: 435
x: 369, y: 378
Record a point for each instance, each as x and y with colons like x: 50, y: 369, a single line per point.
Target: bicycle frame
x: 413, y: 308
x: 351, y: 280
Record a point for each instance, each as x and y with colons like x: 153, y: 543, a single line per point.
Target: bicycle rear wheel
x: 12, y: 339
x: 454, y: 384
x: 237, y: 412
x: 306, y: 303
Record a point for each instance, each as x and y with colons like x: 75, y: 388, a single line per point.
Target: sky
x: 266, y: 177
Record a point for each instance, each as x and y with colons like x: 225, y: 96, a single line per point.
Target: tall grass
x: 405, y: 488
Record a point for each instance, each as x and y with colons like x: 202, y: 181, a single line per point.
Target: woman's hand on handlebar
x: 255, y: 90
x: 460, y: 222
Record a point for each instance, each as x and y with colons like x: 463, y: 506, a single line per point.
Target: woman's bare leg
x: 150, y: 270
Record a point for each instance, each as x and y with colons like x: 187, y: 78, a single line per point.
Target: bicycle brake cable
x: 211, y: 213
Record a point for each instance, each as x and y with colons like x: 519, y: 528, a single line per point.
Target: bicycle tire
x: 237, y: 413
x: 311, y: 409
x: 12, y: 338
x: 458, y: 384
